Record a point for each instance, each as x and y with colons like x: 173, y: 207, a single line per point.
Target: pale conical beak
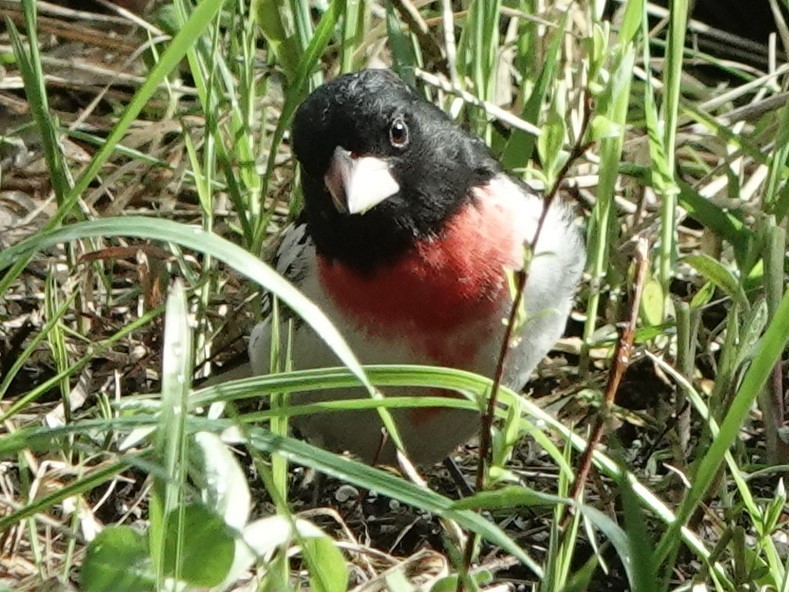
x: 358, y: 183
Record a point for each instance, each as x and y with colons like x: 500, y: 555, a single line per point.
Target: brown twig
x: 521, y: 277
x: 412, y: 17
x: 622, y: 355
x: 70, y: 30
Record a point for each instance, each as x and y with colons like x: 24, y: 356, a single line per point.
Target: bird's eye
x: 398, y: 133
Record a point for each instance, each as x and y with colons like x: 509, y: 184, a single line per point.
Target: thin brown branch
x: 521, y: 278
x: 66, y: 30
x: 622, y: 356
x: 428, y: 43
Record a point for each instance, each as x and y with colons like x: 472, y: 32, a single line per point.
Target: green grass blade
x: 202, y: 241
x: 295, y: 93
x: 772, y: 346
x: 386, y: 484
x: 678, y: 10
x: 170, y: 442
x: 520, y: 146
x: 29, y: 63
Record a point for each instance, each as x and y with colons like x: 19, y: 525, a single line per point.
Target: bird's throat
x: 439, y: 285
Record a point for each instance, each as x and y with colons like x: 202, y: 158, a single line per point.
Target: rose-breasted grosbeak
x: 408, y: 226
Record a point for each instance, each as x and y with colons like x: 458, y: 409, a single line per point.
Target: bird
x: 409, y: 225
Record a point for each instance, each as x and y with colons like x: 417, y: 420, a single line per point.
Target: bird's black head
x: 381, y: 166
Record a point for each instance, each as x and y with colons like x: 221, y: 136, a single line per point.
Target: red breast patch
x: 439, y: 286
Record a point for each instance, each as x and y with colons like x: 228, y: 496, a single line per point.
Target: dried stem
x: 521, y: 277
x: 622, y: 355
x: 409, y: 13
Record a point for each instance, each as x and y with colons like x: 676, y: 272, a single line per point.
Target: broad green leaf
x: 117, y: 560
x: 207, y: 553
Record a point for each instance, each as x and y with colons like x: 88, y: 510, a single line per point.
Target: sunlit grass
x: 698, y: 502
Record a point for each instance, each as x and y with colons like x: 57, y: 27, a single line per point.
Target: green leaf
x: 117, y: 560
x: 781, y: 207
x: 406, y: 53
x: 715, y: 272
x: 29, y: 62
x: 774, y: 510
x: 598, y: 52
x: 177, y: 351
x: 265, y: 535
x: 751, y: 332
x: 653, y: 303
x: 328, y: 571
x: 271, y: 17
x: 520, y: 146
x: 450, y: 583
x: 206, y: 555
x: 631, y: 21
x: 508, y: 497
x: 714, y: 218
x: 615, y: 534
x: 602, y: 127
x: 703, y: 296
x: 551, y: 141
x: 640, y: 545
